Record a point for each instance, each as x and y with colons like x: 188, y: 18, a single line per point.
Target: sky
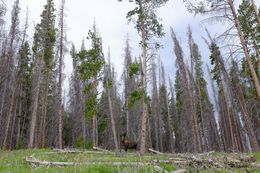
x: 110, y: 18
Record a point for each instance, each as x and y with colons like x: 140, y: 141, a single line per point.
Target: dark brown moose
x: 128, y: 144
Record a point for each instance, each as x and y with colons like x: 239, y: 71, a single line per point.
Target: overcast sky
x: 110, y: 17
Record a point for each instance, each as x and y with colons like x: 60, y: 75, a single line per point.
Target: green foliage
x: 90, y: 108
x: 89, y: 145
x: 251, y: 31
x: 134, y: 68
x: 80, y: 142
x: 248, y: 20
x: 91, y: 63
x: 136, y: 95
x: 214, y: 57
x: 144, y: 14
x: 163, y: 103
x: 45, y: 35
x: 25, y: 80
x: 102, y: 125
x: 20, y: 145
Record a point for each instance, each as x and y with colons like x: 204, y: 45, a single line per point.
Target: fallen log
x: 156, y: 152
x: 103, y: 150
x: 180, y: 171
x: 160, y: 170
x: 67, y: 150
x: 34, y: 161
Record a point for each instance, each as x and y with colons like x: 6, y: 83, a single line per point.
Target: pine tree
x: 61, y: 56
x: 10, y: 71
x: 148, y: 26
x: 92, y: 62
x: 204, y: 109
x: 188, y: 112
x: 44, y: 40
x: 227, y: 8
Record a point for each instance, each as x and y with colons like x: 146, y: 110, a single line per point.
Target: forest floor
x: 88, y: 161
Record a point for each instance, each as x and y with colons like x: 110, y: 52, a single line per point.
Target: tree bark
x: 113, y: 122
x: 35, y: 97
x: 44, y: 113
x: 144, y: 86
x: 60, y: 77
x: 9, y: 116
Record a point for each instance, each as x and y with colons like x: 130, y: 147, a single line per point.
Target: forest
x: 196, y: 110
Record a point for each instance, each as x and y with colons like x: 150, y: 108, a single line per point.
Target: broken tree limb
x: 160, y: 170
x: 67, y: 150
x: 35, y: 161
x: 156, y: 152
x: 207, y: 153
x: 181, y: 171
x: 101, y: 149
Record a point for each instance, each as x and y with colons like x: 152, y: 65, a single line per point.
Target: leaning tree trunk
x: 248, y: 123
x: 256, y: 11
x: 229, y: 123
x: 9, y: 116
x: 245, y: 49
x: 113, y: 122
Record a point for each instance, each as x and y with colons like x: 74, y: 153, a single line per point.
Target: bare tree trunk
x: 94, y: 134
x: 19, y: 123
x: 168, y: 124
x: 243, y: 43
x: 248, y: 123
x: 60, y: 77
x: 232, y: 142
x: 9, y: 115
x: 144, y: 87
x: 44, y: 113
x: 34, y: 106
x: 214, y: 90
x: 113, y: 122
x: 155, y: 110
x: 14, y: 116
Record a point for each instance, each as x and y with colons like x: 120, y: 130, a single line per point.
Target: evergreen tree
x: 92, y: 62
x: 44, y: 40
x: 148, y: 26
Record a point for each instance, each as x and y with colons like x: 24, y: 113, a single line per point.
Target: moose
x: 128, y: 144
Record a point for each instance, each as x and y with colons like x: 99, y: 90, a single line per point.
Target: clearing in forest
x: 68, y: 161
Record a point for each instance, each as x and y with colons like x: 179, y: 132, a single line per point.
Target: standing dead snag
x: 128, y: 144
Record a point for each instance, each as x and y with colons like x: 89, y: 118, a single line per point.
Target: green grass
x: 257, y: 155
x: 14, y: 162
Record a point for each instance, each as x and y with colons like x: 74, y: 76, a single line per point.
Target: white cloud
x: 110, y: 17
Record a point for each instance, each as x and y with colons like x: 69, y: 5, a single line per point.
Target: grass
x: 14, y: 162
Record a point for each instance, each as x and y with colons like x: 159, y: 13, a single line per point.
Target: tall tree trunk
x: 144, y: 84
x: 19, y: 121
x: 231, y: 133
x: 44, y: 113
x: 245, y: 49
x: 113, y: 122
x: 60, y: 77
x: 94, y: 131
x: 34, y: 105
x: 9, y: 116
x: 242, y: 103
